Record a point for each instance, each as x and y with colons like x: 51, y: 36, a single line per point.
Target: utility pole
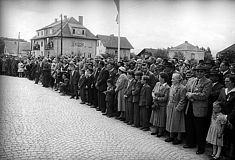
x: 61, y: 36
x: 18, y: 46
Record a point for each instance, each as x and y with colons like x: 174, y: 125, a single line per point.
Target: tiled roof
x: 230, y: 48
x: 147, y: 50
x: 186, y: 47
x: 112, y: 42
x: 66, y: 25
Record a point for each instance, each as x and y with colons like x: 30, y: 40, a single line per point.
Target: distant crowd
x: 190, y: 103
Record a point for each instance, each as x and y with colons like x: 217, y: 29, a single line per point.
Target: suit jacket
x: 136, y: 91
x: 82, y: 81
x: 152, y: 80
x: 200, y: 94
x: 89, y: 81
x: 128, y: 91
x: 113, y: 75
x: 102, y: 80
x: 145, y: 96
x: 74, y: 78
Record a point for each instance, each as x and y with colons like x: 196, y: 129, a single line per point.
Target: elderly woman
x: 121, y: 85
x: 160, y: 96
x: 175, y: 122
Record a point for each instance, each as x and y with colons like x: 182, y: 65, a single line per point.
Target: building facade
x: 188, y: 50
x: 109, y: 45
x: 16, y: 47
x: 77, y: 40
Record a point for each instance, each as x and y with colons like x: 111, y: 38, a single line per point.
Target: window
x: 42, y: 44
x: 193, y: 56
x: 41, y: 33
x: 83, y: 32
x: 73, y: 31
x: 38, y: 33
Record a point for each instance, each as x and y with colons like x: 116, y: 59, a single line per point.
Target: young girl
x: 215, y: 132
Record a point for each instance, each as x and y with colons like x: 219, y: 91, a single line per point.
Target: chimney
x: 55, y: 19
x: 80, y: 19
x: 65, y: 17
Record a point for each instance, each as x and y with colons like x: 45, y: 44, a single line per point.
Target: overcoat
x: 121, y: 85
x: 175, y: 121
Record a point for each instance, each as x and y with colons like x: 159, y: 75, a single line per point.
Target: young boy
x: 109, y: 98
x: 145, y: 103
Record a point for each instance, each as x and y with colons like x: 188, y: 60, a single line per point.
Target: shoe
x: 126, y: 121
x: 82, y: 102
x: 145, y: 129
x: 129, y: 123
x: 104, y: 114
x: 159, y: 135
x: 170, y: 139
x: 200, y: 151
x: 188, y: 146
x: 122, y: 119
x: 77, y: 97
x: 89, y: 104
x: 98, y: 109
x: 153, y: 133
x: 71, y: 97
x: 212, y: 155
x: 142, y: 128
x: 93, y: 106
x: 176, y: 141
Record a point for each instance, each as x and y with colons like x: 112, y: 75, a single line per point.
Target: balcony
x: 36, y: 47
x: 49, y: 46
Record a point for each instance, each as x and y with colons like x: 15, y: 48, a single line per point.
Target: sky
x: 145, y: 23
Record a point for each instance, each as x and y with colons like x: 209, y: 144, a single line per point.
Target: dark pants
x: 37, y: 75
x: 74, y: 90
x: 109, y: 106
x: 136, y: 114
x: 129, y: 111
x: 101, y: 101
x: 144, y: 120
x: 196, y: 128
x: 95, y: 99
x: 46, y: 78
x: 90, y: 95
x: 83, y: 94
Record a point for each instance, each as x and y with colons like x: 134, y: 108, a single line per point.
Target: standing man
x: 101, y: 85
x: 73, y: 81
x: 198, y: 91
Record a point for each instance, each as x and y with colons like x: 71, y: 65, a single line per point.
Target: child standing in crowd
x: 20, y: 69
x: 215, y: 132
x: 136, y: 97
x: 109, y: 98
x: 145, y: 103
x: 89, y: 82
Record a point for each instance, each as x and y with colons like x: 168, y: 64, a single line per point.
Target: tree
x: 160, y: 53
x: 179, y: 55
x: 208, y: 55
x: 2, y: 46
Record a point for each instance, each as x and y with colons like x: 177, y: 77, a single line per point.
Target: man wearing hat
x: 101, y: 86
x: 215, y: 91
x: 198, y: 91
x: 73, y: 81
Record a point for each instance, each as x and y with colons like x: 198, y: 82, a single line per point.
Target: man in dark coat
x: 46, y: 71
x: 101, y: 85
x: 73, y: 81
x: 95, y: 91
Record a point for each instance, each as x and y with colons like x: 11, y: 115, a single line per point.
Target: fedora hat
x: 123, y: 69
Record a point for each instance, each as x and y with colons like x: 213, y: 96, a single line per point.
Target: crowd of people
x: 185, y: 102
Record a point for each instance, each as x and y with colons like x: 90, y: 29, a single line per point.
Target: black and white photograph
x: 117, y: 79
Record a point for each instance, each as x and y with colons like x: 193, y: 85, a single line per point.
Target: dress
x: 214, y: 130
x: 121, y: 85
x: 158, y: 116
x: 20, y: 67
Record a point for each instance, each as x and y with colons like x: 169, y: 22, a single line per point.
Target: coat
x: 175, y: 121
x: 136, y: 92
x: 199, y: 95
x: 145, y: 96
x: 74, y: 78
x: 120, y: 88
x: 102, y: 79
x: 128, y: 90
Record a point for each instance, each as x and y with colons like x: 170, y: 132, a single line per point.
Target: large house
x: 109, y: 45
x: 16, y: 47
x: 77, y: 40
x: 188, y: 50
x: 227, y: 53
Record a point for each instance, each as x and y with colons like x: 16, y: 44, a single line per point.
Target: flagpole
x: 119, y: 15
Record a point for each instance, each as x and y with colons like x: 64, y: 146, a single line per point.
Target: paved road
x: 38, y: 123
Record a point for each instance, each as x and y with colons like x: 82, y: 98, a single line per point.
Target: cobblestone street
x: 38, y: 123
